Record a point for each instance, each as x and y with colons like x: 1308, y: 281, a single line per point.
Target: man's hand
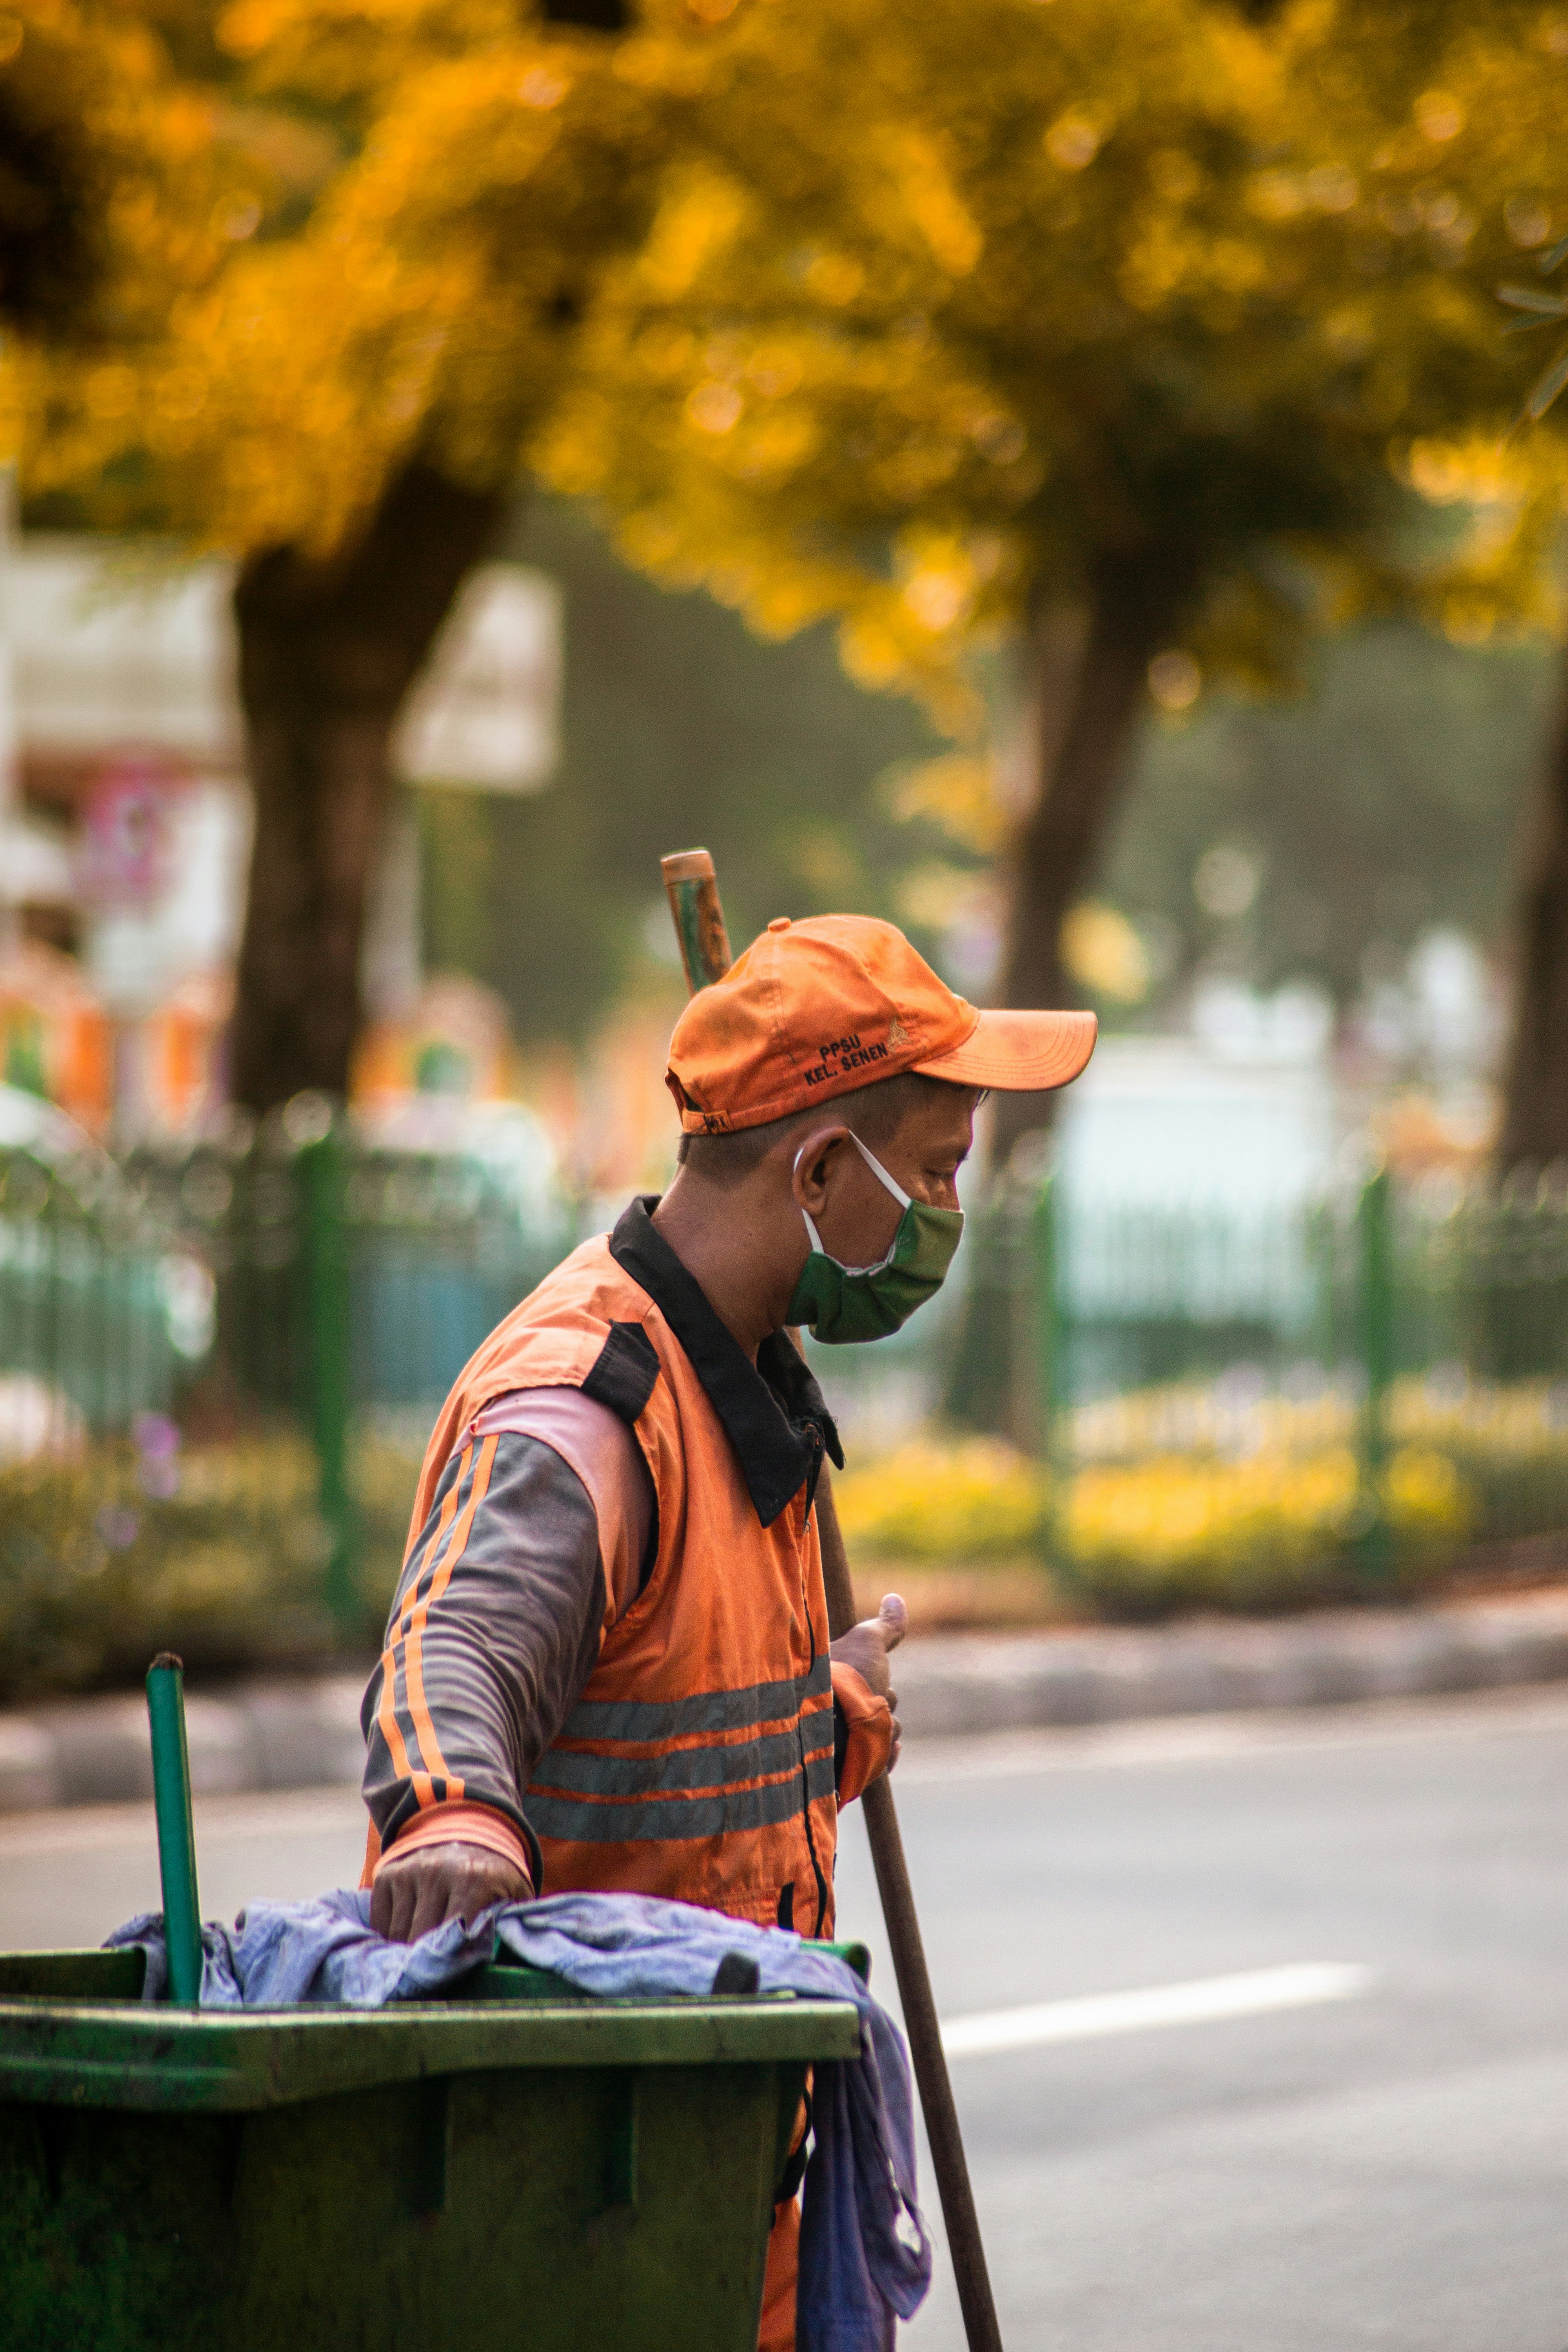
x: 417, y: 1891
x: 866, y: 1646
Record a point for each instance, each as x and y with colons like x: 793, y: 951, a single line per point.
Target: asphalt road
x: 1385, y: 2168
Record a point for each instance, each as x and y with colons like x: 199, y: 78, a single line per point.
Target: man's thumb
x: 894, y: 1620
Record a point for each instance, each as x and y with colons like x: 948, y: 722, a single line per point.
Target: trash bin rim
x: 129, y: 2056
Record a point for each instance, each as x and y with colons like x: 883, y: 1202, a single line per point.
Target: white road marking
x: 1199, y: 2002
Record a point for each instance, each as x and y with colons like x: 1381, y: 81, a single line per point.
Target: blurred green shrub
x: 111, y: 1551
x: 96, y: 1573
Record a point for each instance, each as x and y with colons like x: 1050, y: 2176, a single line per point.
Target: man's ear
x: 812, y: 1159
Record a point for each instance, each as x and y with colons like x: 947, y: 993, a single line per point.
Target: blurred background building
x: 125, y: 829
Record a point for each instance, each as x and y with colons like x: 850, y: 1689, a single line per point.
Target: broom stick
x: 693, y: 888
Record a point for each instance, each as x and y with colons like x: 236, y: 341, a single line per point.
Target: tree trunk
x: 1083, y: 724
x: 1535, y: 1110
x: 327, y: 652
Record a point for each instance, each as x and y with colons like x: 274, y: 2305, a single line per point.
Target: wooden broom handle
x: 694, y: 890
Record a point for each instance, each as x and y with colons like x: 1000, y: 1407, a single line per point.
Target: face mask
x: 845, y: 1303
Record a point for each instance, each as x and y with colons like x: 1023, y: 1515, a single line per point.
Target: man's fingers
x: 434, y: 1905
x: 403, y: 1891
x: 893, y: 1619
x: 484, y: 1883
x: 394, y: 1899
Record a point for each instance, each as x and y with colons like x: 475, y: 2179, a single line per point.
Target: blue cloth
x: 865, y: 2254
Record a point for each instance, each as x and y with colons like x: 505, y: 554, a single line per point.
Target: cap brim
x: 1019, y: 1053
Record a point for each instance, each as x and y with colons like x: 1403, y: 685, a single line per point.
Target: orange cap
x: 816, y: 1009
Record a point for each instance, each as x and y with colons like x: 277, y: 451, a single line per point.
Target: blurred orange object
x: 1419, y: 1135
x: 54, y: 1036
x: 182, y: 1051
x: 456, y: 1040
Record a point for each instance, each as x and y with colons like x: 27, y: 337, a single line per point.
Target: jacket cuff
x: 462, y: 1823
x: 869, y: 1727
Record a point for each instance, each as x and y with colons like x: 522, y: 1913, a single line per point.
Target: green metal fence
x: 218, y: 1366
x: 1400, y: 1353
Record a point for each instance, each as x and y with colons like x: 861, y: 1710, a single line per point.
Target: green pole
x: 176, y: 1827
x: 322, y: 1175
x: 1374, y: 1319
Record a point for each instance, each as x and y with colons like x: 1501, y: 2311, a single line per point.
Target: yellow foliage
x: 967, y: 1500
x: 896, y: 317
x: 1221, y: 1527
x: 919, y: 172
x: 934, y: 897
x: 132, y: 180
x: 1506, y: 1425
x: 692, y: 227
x: 1014, y: 249
x: 1103, y: 953
x: 957, y: 792
x: 1173, y: 1529
x: 299, y: 313
x: 1186, y: 1495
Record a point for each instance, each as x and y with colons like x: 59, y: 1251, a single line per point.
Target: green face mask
x: 845, y: 1303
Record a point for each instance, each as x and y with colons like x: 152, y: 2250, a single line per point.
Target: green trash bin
x: 516, y: 2168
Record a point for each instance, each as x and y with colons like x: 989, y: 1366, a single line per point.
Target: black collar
x: 772, y: 1412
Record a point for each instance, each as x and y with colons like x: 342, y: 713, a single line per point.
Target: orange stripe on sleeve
x: 412, y: 1673
x: 386, y: 1714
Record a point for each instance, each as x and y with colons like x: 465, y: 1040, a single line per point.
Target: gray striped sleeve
x: 493, y: 1634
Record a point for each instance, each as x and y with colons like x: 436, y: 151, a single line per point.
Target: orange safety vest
x: 697, y: 1763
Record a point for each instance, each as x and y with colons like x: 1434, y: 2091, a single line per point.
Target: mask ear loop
x: 875, y: 1165
x: 882, y: 1176
x: 811, y: 1229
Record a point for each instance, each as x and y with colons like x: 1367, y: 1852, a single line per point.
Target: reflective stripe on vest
x: 662, y: 1820
x: 719, y: 1710
x: 603, y: 1794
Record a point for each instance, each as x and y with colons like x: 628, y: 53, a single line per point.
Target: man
x: 607, y: 1665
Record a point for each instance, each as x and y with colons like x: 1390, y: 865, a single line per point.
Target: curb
x: 305, y: 1734
x: 94, y: 1751
x: 1113, y: 1675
